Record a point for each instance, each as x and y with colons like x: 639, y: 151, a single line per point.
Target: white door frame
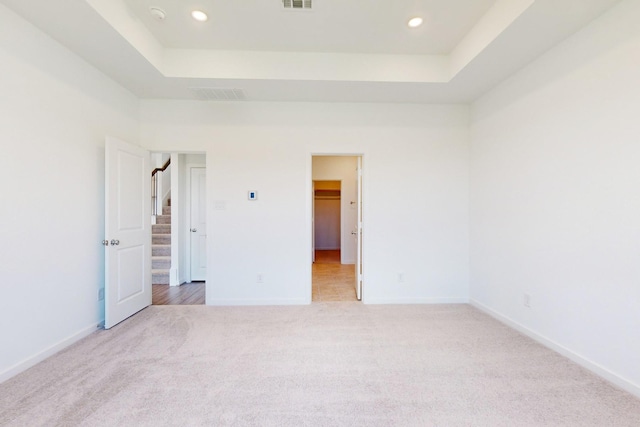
x: 358, y: 231
x: 309, y: 211
x: 176, y: 271
x: 313, y: 221
x: 187, y: 223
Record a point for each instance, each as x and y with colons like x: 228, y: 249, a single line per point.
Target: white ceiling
x: 341, y: 51
x: 354, y: 26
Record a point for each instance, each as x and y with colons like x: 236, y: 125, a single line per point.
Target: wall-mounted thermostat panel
x: 253, y: 195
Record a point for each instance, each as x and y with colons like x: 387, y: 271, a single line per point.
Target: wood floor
x: 333, y: 281
x: 185, y: 294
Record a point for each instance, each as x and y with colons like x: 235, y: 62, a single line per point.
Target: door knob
x: 115, y: 242
x: 193, y: 230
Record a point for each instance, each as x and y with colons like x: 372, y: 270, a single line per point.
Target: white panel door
x: 127, y: 231
x: 359, y: 234
x: 198, y: 224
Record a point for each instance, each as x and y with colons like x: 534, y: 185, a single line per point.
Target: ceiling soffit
x: 312, y: 66
x: 509, y: 35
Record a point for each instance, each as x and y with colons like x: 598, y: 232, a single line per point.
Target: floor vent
x: 296, y: 4
x: 218, y: 94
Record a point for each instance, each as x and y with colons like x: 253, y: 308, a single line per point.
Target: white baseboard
x: 48, y: 352
x: 415, y: 300
x: 571, y: 355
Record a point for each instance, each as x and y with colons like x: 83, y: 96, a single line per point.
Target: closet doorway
x: 335, y: 236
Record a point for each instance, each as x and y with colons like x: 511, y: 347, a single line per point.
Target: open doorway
x: 179, y: 228
x: 335, y: 240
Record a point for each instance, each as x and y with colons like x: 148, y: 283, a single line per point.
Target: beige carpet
x: 327, y: 364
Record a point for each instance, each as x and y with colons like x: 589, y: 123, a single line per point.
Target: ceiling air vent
x: 296, y: 4
x: 218, y: 94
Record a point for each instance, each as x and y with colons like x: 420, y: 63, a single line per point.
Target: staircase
x: 161, y: 248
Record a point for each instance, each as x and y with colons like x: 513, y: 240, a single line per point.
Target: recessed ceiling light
x: 414, y: 22
x: 199, y: 15
x: 157, y: 13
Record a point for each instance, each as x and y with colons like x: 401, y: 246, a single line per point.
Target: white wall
x: 416, y: 210
x: 55, y: 111
x: 179, y: 223
x: 555, y: 206
x: 343, y: 169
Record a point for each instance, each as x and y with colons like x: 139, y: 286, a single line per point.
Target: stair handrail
x: 154, y: 189
x: 162, y: 169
